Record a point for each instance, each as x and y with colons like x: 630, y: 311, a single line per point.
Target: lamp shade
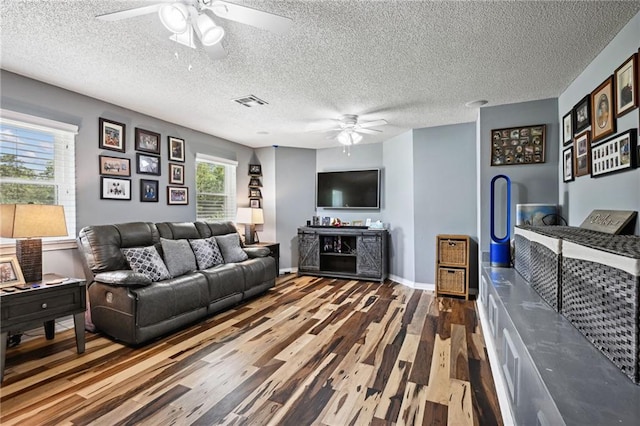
x: 208, y: 31
x: 250, y: 216
x: 32, y: 221
x: 174, y: 17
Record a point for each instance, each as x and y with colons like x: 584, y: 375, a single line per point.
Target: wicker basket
x: 451, y: 280
x: 546, y: 277
x: 522, y: 261
x: 453, y: 252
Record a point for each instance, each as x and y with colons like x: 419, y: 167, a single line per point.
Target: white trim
x: 498, y: 378
x: 553, y: 244
x: 65, y: 244
x: 21, y: 119
x: 580, y: 252
x: 213, y: 159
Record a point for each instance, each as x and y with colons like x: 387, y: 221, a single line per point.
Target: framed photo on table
x: 582, y: 162
x: 603, y: 122
x: 567, y: 128
x: 567, y: 165
x: 112, y: 135
x: 147, y: 141
x: 626, y: 79
x: 582, y: 115
x: 615, y: 154
x: 10, y: 272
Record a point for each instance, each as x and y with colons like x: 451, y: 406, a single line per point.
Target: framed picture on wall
x: 582, y: 162
x: 255, y: 169
x: 518, y: 145
x: 582, y: 115
x: 115, y: 188
x: 147, y: 141
x: 615, y: 154
x: 148, y: 191
x: 567, y: 164
x: 626, y: 79
x: 112, y: 135
x: 114, y: 166
x: 176, y: 149
x: 567, y: 126
x: 603, y: 122
x: 148, y: 164
x: 177, y: 195
x: 176, y: 174
x: 254, y: 203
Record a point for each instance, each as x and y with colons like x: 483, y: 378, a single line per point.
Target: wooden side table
x: 274, y: 249
x: 42, y: 304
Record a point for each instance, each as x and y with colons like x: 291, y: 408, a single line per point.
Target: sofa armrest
x: 254, y: 252
x: 123, y: 278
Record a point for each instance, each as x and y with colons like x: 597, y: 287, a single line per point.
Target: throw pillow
x: 178, y: 256
x: 207, y: 252
x: 230, y: 247
x: 147, y: 261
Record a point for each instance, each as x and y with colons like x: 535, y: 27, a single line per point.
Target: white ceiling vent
x: 250, y: 101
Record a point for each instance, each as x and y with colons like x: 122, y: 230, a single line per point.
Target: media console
x: 342, y: 252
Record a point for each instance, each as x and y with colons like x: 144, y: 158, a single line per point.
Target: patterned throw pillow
x: 230, y: 247
x: 207, y: 252
x: 147, y: 261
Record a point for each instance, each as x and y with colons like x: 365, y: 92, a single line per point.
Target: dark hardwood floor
x: 310, y: 351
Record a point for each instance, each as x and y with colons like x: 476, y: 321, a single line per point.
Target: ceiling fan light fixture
x: 349, y: 137
x: 174, y: 17
x: 208, y: 31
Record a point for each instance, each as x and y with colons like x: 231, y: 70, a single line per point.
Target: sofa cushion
x: 124, y: 278
x: 178, y: 256
x: 230, y: 247
x: 147, y: 261
x: 207, y: 252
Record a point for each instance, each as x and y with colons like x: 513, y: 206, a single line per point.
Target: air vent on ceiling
x: 250, y: 101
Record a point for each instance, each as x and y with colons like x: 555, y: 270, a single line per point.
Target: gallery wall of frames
x: 592, y: 145
x: 115, y: 171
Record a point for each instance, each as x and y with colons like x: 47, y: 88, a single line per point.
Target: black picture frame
x: 176, y: 174
x: 149, y: 191
x: 115, y: 189
x: 177, y: 195
x: 626, y: 86
x: 255, y: 193
x: 175, y: 149
x: 567, y: 164
x: 616, y: 154
x: 567, y: 128
x: 112, y: 135
x: 255, y: 169
x: 582, y: 115
x: 254, y: 203
x: 114, y: 166
x: 148, y: 164
x: 147, y: 141
x: 518, y: 145
x: 255, y: 182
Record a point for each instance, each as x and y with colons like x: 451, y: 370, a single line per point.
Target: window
x: 215, y: 188
x: 37, y: 163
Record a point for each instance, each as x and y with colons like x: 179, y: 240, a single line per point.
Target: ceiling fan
x: 349, y: 129
x: 186, y: 17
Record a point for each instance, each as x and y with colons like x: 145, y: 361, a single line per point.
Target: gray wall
x: 294, y: 198
x: 28, y: 96
x: 398, y: 206
x: 445, y: 195
x: 619, y: 191
x: 530, y: 183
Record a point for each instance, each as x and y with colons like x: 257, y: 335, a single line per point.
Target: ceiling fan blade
x: 246, y: 15
x: 216, y: 52
x: 368, y: 131
x: 130, y: 13
x: 367, y: 124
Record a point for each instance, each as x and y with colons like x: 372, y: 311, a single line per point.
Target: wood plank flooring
x: 311, y: 351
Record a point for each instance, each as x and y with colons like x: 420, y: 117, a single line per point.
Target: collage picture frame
x: 615, y: 154
x: 518, y: 145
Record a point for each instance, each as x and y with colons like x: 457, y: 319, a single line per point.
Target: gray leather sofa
x: 128, y: 306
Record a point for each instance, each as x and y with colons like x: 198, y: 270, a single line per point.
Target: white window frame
x: 64, y: 175
x: 230, y: 183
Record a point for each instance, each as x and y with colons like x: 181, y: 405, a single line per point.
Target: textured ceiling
x: 412, y: 63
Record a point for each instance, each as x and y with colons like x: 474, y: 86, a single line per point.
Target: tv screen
x: 354, y: 189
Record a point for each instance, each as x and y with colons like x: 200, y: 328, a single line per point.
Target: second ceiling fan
x: 184, y: 18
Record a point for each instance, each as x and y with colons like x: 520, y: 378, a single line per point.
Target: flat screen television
x: 350, y: 189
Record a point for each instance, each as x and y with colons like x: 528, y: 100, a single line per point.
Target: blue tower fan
x: 500, y: 249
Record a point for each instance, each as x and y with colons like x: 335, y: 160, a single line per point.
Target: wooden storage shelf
x: 454, y: 265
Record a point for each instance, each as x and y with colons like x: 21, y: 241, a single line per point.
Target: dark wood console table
x: 358, y: 253
x: 41, y: 304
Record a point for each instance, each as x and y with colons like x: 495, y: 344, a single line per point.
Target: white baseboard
x: 412, y: 284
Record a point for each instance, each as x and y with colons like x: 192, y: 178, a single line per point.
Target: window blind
x: 215, y: 188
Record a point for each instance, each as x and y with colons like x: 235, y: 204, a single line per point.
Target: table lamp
x: 28, y: 223
x: 250, y: 218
